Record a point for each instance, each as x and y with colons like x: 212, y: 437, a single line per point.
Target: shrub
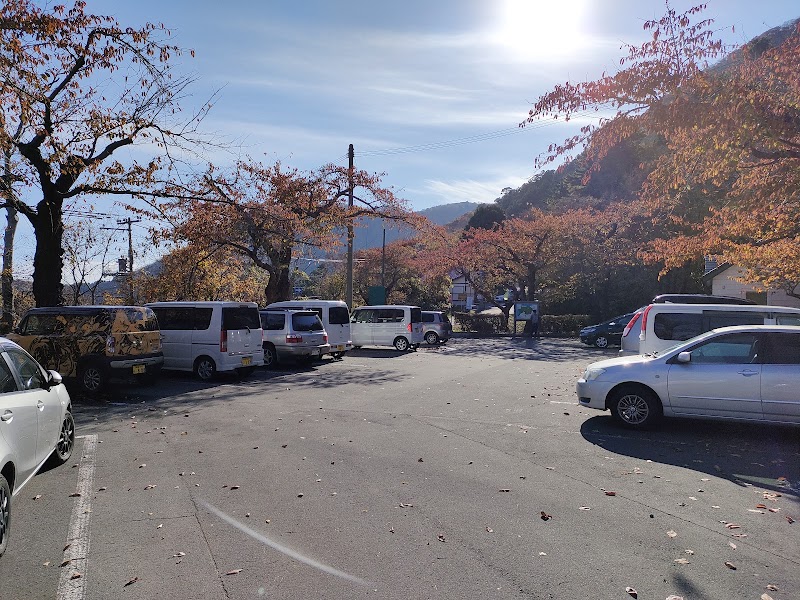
x: 480, y: 323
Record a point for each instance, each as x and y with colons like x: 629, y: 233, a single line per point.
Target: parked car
x: 210, y: 337
x: 387, y: 325
x: 335, y: 318
x: 93, y: 343
x: 749, y: 373
x: 659, y: 326
x: 606, y: 333
x: 436, y: 327
x: 35, y: 425
x: 295, y: 334
x: 699, y: 299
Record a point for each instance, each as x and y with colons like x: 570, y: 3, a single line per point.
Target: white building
x: 725, y: 281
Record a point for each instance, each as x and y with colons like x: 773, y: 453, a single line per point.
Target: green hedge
x: 477, y: 323
x: 554, y: 325
x: 563, y: 325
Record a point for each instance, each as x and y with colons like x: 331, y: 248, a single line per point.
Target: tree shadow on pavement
x: 765, y: 456
x: 177, y: 392
x: 521, y: 348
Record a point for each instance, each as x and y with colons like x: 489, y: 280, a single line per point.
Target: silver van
x: 210, y: 337
x: 335, y: 318
x: 661, y: 326
x: 295, y: 334
x: 387, y: 325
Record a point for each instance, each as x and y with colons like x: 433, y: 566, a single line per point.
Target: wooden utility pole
x: 129, y: 222
x: 349, y: 285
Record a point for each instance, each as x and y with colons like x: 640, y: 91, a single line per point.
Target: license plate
x: 246, y: 361
x: 139, y: 369
x: 340, y: 347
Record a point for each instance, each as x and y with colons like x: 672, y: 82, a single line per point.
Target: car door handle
x: 747, y: 372
x: 7, y: 416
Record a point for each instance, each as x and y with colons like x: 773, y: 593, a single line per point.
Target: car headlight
x: 591, y: 374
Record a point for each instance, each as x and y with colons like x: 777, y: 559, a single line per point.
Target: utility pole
x: 349, y: 284
x: 129, y: 222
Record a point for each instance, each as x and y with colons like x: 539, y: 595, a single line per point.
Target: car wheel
x: 66, y: 441
x: 204, y: 368
x: 636, y: 407
x: 401, y: 344
x: 432, y: 338
x: 601, y: 342
x: 5, y: 513
x: 270, y: 356
x: 92, y: 378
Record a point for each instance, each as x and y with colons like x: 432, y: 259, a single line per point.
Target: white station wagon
x: 749, y: 373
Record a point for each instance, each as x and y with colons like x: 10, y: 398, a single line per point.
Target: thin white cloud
x: 471, y: 190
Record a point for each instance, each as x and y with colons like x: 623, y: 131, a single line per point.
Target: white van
x: 335, y: 318
x: 387, y: 325
x: 210, y: 337
x: 664, y: 325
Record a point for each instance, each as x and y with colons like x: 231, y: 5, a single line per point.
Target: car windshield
x: 306, y: 322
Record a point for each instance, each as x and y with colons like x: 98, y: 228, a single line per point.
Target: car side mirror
x: 685, y: 357
x: 53, y: 379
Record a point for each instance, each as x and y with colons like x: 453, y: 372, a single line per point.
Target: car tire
x: 338, y: 355
x: 92, y: 378
x: 270, y: 356
x: 5, y: 513
x: 601, y: 341
x: 205, y: 368
x: 636, y: 407
x: 432, y: 338
x: 66, y: 441
x: 401, y: 344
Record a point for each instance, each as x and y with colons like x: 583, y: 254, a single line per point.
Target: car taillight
x: 111, y: 345
x: 223, y: 340
x: 325, y: 338
x: 408, y: 327
x: 630, y: 324
x: 293, y: 338
x: 644, y: 322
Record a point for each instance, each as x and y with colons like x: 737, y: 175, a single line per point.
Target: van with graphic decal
x: 93, y: 343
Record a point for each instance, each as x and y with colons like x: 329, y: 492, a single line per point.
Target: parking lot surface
x: 460, y: 471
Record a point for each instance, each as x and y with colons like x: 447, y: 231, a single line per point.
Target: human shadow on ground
x: 765, y: 456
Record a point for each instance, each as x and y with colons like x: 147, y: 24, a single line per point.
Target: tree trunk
x: 279, y: 286
x: 7, y: 277
x: 48, y: 260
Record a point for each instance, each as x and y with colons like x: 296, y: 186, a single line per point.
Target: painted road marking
x: 70, y: 586
x: 282, y: 549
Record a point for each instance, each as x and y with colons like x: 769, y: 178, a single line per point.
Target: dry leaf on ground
x: 730, y: 565
x: 672, y: 534
x: 632, y: 592
x: 234, y: 572
x: 682, y: 561
x: 545, y: 516
x: 131, y: 582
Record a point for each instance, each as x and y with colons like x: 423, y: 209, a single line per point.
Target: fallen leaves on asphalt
x: 632, y: 592
x: 131, y: 582
x: 730, y: 565
x: 682, y: 561
x: 672, y: 534
x: 545, y: 517
x: 234, y: 572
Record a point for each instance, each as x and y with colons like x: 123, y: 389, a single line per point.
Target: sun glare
x: 532, y: 30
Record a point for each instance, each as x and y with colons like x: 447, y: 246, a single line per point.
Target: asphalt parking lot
x: 460, y: 471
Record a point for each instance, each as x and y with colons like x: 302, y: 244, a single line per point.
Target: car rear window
x: 416, y: 315
x: 306, y: 322
x: 782, y: 349
x: 428, y: 317
x: 677, y: 326
x: 240, y: 317
x: 273, y: 321
x: 145, y: 317
x: 338, y: 315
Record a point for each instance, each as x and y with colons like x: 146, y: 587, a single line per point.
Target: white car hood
x: 621, y: 361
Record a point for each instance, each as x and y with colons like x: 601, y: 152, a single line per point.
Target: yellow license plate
x: 246, y: 361
x: 340, y: 347
x: 138, y: 369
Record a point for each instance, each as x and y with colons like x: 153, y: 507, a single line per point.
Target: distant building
x: 462, y: 296
x: 725, y: 281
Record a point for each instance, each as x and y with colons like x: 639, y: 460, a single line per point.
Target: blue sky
x: 430, y: 92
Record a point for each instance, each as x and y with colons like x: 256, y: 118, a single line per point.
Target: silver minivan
x: 335, y: 317
x: 295, y: 334
x: 387, y: 325
x: 210, y: 337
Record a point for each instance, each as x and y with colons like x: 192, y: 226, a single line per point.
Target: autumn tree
x: 87, y: 258
x: 729, y: 179
x: 271, y: 214
x: 75, y: 88
x: 201, y: 273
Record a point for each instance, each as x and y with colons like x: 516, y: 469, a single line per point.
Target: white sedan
x: 35, y: 425
x: 749, y: 373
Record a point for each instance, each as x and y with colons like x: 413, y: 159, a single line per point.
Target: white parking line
x: 72, y: 582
